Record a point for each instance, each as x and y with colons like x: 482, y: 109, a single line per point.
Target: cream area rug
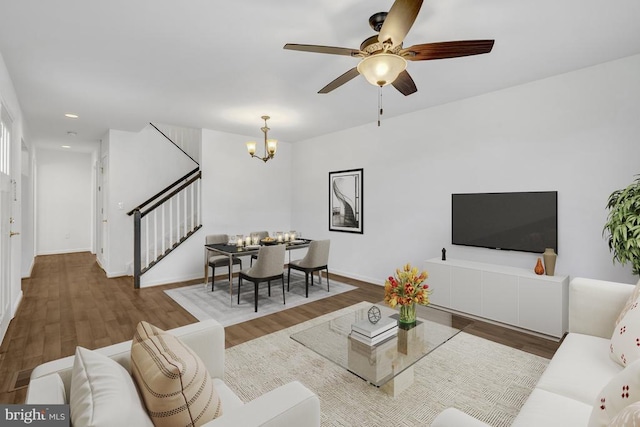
x: 204, y: 304
x: 486, y: 380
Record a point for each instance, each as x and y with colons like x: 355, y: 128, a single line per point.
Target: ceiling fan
x: 384, y: 60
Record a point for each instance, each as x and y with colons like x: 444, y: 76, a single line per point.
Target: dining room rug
x: 204, y: 304
x: 488, y: 381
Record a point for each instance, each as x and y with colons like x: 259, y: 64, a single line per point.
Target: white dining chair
x: 316, y: 259
x: 214, y: 261
x: 269, y: 266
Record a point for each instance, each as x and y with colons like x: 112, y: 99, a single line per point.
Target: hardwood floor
x: 68, y: 301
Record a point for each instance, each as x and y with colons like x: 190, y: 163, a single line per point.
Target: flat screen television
x: 521, y: 221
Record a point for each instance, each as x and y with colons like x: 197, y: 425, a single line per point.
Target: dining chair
x: 261, y: 235
x: 214, y: 261
x: 269, y: 266
x: 316, y: 259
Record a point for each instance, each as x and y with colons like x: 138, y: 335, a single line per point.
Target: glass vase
x: 407, y: 316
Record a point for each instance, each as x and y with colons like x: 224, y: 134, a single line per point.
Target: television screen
x: 524, y: 221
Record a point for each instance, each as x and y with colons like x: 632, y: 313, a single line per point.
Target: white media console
x: 509, y: 295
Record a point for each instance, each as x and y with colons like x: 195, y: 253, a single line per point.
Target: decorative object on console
x: 345, y: 201
x: 374, y: 314
x: 539, y: 269
x: 622, y: 228
x: 270, y: 145
x: 444, y: 254
x: 549, y: 257
x: 406, y: 289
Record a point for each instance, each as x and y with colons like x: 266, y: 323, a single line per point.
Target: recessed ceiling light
x: 65, y: 146
x: 71, y: 115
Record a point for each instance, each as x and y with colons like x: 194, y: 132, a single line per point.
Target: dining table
x: 232, y: 251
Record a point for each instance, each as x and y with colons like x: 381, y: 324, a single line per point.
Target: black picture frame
x: 345, y: 201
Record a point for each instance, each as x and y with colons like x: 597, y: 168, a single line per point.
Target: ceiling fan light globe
x: 382, y: 69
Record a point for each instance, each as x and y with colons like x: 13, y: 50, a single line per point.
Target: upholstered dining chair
x: 269, y: 266
x: 214, y: 261
x: 261, y: 235
x: 316, y: 259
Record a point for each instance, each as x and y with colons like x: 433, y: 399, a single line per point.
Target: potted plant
x: 622, y: 228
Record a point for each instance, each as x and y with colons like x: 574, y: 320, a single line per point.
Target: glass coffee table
x: 389, y: 364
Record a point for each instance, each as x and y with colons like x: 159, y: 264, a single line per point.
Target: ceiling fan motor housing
x: 376, y: 20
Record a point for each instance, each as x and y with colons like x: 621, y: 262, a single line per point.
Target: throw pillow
x: 621, y: 391
x: 630, y: 301
x: 628, y: 417
x: 103, y: 393
x: 174, y: 382
x: 625, y: 341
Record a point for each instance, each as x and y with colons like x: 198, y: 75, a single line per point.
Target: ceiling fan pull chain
x: 379, y: 104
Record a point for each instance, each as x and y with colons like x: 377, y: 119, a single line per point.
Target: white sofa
x: 289, y: 405
x: 568, y: 389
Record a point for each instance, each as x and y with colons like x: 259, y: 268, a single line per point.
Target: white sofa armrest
x: 289, y: 405
x: 594, y: 305
x: 452, y: 417
x: 205, y: 338
x: 47, y: 390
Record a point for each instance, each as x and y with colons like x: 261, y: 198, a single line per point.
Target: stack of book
x: 374, y: 333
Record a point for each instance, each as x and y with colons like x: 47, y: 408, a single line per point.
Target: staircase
x: 168, y: 218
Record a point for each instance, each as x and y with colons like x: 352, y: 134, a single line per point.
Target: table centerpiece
x: 406, y: 289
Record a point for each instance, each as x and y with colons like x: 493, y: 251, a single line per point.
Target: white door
x: 5, y: 223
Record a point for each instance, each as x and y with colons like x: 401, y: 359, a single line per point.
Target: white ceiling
x: 120, y: 64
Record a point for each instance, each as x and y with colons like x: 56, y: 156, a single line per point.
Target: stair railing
x: 165, y: 221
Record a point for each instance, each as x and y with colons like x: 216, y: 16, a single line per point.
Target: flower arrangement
x: 406, y: 289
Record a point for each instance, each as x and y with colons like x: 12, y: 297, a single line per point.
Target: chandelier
x: 270, y: 145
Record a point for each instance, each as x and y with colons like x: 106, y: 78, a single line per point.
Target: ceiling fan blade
x: 349, y: 75
x: 331, y: 50
x: 405, y: 84
x: 442, y: 50
x: 399, y: 20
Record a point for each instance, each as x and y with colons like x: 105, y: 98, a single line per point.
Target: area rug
x: 488, y: 381
x: 204, y: 304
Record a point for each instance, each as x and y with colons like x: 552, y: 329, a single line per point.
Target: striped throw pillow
x: 175, y: 385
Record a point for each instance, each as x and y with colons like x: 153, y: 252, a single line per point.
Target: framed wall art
x: 345, y: 201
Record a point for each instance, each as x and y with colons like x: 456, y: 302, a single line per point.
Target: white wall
x: 65, y: 201
x: 239, y: 195
x: 576, y: 133
x: 140, y: 165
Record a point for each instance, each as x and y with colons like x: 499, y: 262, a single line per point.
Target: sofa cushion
x: 625, y: 340
x: 546, y: 409
x: 103, y: 393
x: 628, y: 417
x: 175, y: 385
x: 630, y: 301
x: 621, y: 391
x: 580, y: 368
x: 228, y: 399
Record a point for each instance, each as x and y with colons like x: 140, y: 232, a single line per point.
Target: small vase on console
x: 539, y: 269
x: 549, y: 257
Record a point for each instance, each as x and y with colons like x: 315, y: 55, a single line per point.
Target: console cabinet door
x: 500, y: 297
x: 466, y: 290
x: 540, y: 306
x: 439, y: 282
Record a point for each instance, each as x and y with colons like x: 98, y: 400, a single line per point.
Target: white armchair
x: 290, y: 404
